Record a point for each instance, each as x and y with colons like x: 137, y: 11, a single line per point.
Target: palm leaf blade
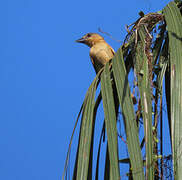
x: 174, y: 24
x: 126, y: 104
x: 110, y: 121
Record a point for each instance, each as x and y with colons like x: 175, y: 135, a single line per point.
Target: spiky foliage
x: 151, y: 52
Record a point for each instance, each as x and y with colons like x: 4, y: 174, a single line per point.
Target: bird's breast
x: 101, y: 53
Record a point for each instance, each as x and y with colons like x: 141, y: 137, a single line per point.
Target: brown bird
x: 100, y: 51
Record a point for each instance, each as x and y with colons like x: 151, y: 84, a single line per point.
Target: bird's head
x: 90, y: 39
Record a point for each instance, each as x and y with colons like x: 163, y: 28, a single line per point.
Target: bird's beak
x: 81, y: 40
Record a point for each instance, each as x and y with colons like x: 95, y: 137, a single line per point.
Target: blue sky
x: 44, y: 76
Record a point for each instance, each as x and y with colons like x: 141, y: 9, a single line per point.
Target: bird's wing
x: 112, y: 50
x: 104, y: 55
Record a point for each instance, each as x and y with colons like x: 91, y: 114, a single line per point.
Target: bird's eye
x: 88, y: 35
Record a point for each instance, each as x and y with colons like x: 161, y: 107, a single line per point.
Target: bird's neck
x: 95, y: 42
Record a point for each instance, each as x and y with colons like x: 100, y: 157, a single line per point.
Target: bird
x: 100, y: 51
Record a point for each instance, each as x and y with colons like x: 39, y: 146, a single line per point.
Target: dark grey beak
x: 81, y: 40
